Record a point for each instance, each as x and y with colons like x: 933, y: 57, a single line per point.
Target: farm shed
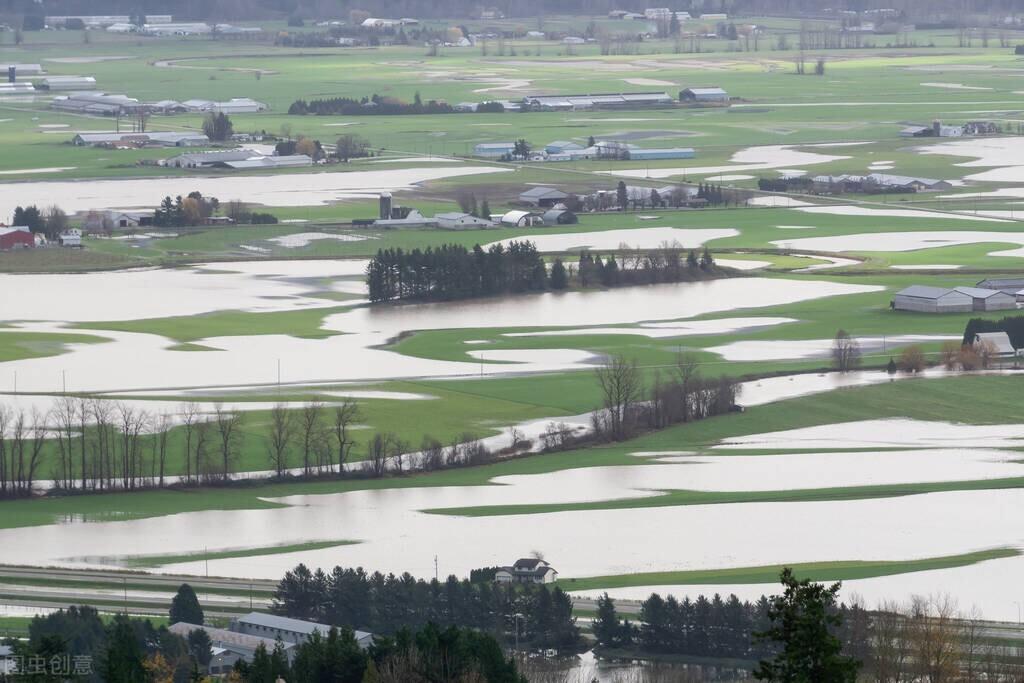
x: 520, y: 219
x: 1008, y: 285
x: 918, y: 184
x: 461, y: 221
x: 16, y: 237
x: 559, y: 217
x: 709, y: 95
x: 494, y: 149
x: 561, y: 147
x: 989, y: 299
x: 995, y: 343
x: 542, y: 196
x: 640, y: 154
x: 932, y: 300
x: 67, y: 83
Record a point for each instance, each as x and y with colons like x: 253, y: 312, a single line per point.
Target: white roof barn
x: 997, y: 343
x: 287, y: 629
x: 925, y: 299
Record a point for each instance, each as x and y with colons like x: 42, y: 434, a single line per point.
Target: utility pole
x: 435, y: 567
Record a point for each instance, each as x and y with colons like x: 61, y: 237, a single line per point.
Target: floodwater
x: 257, y: 286
x: 287, y: 189
x: 847, y: 210
x: 397, y: 536
x: 637, y: 238
x: 356, y: 355
x: 666, y: 330
x: 788, y: 349
x: 304, y: 239
x: 934, y: 266
x: 906, y: 241
x: 1004, y: 156
x: 751, y: 159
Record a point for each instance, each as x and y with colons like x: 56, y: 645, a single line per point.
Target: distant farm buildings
x: 635, y: 100
x: 874, y: 183
x: 16, y: 237
x: 66, y: 83
x: 995, y: 345
x: 558, y: 216
x: 494, y: 150
x: 236, y: 159
x: 940, y: 130
x: 924, y: 299
x: 1014, y: 286
x: 456, y: 220
x: 236, y: 105
x: 543, y: 196
x: 152, y: 139
x: 709, y: 95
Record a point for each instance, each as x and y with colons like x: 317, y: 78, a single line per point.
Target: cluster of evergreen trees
x: 387, y: 604
x: 452, y: 271
x: 713, y: 194
x: 428, y: 655
x: 719, y: 628
x: 643, y: 267
x: 368, y: 106
x: 1012, y: 325
x: 76, y: 644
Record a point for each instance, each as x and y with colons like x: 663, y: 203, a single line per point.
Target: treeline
x: 387, y: 604
x: 368, y: 106
x: 428, y: 655
x: 97, y: 445
x: 77, y: 644
x: 452, y: 271
x: 682, y: 395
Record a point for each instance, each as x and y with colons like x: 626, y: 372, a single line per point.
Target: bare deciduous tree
x: 621, y: 387
x: 281, y: 430
x: 229, y: 431
x: 345, y: 416
x: 845, y: 352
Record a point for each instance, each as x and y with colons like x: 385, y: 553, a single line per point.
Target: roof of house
x: 272, y: 621
x: 1002, y: 283
x: 978, y: 292
x: 230, y: 640
x: 889, y: 179
x: 543, y: 193
x: 925, y: 292
x: 529, y: 563
x: 1000, y: 340
x: 706, y: 91
x: 7, y: 230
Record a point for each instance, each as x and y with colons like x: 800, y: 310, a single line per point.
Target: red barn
x: 18, y: 237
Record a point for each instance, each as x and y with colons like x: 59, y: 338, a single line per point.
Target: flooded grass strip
x: 682, y: 497
x: 841, y: 570
x: 151, y: 561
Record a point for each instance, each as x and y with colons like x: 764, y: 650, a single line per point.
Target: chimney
x: 11, y: 73
x: 385, y: 205
x: 937, y: 128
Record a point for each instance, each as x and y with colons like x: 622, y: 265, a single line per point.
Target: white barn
x: 989, y: 299
x: 932, y: 300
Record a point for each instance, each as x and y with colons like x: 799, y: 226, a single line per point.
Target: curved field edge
x: 672, y: 498
x: 841, y: 570
x: 152, y: 561
x: 969, y: 399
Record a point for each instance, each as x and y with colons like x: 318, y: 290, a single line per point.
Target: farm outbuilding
x: 932, y: 300
x: 994, y: 344
x: 640, y: 154
x: 1008, y: 285
x: 543, y: 196
x: 562, y: 147
x: 559, y: 217
x: 709, y: 95
x: 461, y: 221
x: 520, y: 219
x: 494, y: 150
x: 989, y: 299
x: 16, y: 237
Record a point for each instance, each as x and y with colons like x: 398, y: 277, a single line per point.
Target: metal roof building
x: 1008, y: 285
x: 709, y: 94
x: 158, y: 138
x: 641, y: 154
x: 542, y: 196
x: 67, y: 83
x: 997, y: 343
x: 925, y: 299
x: 287, y: 629
x: 989, y: 299
x: 636, y: 100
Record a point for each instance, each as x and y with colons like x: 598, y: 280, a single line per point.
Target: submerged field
x: 896, y: 485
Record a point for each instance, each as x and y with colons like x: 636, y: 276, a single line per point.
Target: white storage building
x: 932, y: 300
